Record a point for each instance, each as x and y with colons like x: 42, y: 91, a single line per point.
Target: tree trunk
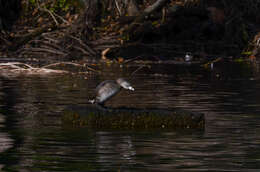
x: 132, y: 8
x: 159, y: 4
x: 92, y: 16
x: 9, y: 12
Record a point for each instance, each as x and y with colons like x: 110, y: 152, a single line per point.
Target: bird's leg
x: 92, y: 101
x: 102, y: 107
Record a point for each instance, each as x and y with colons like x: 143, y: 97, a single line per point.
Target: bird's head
x: 125, y: 84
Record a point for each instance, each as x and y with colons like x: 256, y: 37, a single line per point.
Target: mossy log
x: 132, y: 118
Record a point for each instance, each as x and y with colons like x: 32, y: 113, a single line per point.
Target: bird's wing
x: 107, y: 91
x: 103, y: 83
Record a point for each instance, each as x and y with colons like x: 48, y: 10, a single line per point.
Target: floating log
x: 132, y: 118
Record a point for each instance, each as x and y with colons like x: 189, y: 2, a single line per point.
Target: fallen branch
x: 39, y: 71
x: 132, y: 59
x: 69, y: 63
x: 62, y: 63
x: 16, y: 68
x: 157, y: 5
x: 118, y: 8
x: 82, y: 50
x: 52, y: 14
x: 15, y: 65
x: 53, y: 51
x: 22, y: 40
x: 65, y: 21
x: 84, y: 45
x: 104, y: 53
x: 48, y: 11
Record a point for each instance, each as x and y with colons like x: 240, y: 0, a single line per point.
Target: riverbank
x: 207, y: 30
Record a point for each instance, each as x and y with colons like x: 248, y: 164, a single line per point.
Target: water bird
x: 109, y: 88
x: 188, y: 57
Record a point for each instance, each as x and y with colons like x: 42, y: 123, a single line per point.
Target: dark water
x: 32, y: 137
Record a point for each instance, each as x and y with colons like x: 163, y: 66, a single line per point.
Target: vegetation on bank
x: 158, y: 29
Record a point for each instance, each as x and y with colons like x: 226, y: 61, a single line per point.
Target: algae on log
x: 132, y: 118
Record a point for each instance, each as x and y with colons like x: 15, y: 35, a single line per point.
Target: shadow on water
x: 11, y: 138
x: 31, y: 109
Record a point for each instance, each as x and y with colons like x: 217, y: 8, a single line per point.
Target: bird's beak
x: 131, y: 88
x: 91, y: 101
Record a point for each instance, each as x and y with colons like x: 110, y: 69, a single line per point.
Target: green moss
x: 58, y: 5
x: 133, y: 119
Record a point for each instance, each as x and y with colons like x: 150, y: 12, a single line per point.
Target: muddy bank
x: 58, y: 31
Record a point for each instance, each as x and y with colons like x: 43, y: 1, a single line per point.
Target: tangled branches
x: 17, y: 69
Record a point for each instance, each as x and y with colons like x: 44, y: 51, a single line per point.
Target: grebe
x: 107, y: 89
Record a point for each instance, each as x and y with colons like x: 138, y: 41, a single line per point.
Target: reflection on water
x: 32, y: 137
x: 5, y: 139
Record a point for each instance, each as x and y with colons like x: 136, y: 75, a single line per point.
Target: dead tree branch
x: 149, y: 10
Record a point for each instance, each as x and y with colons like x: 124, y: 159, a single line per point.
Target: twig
x: 46, y: 50
x: 157, y: 5
x: 62, y: 63
x: 14, y: 64
x: 51, y: 40
x: 102, y: 47
x: 82, y: 50
x: 45, y: 9
x: 52, y: 14
x: 132, y: 59
x: 83, y: 44
x: 69, y: 63
x: 21, y: 69
x: 50, y: 46
x: 65, y: 21
x: 104, y: 52
x: 137, y: 70
x: 106, y: 40
x: 50, y: 70
x: 118, y: 8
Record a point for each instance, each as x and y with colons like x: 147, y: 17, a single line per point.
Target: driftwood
x: 70, y: 63
x: 17, y: 68
x: 131, y: 118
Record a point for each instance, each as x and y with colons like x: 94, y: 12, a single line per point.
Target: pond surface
x: 33, y: 138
